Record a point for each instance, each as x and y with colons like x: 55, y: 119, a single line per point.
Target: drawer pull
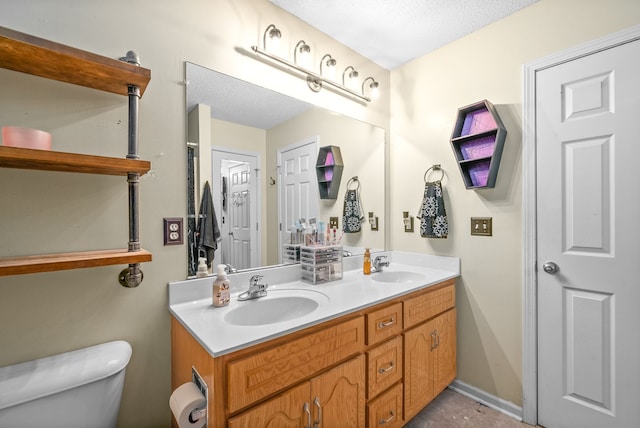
x: 383, y: 370
x: 318, y: 423
x: 388, y: 419
x: 384, y: 324
x: 308, y: 412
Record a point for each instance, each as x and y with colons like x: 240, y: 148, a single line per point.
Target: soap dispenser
x: 203, y: 270
x: 221, y: 292
x: 366, y: 266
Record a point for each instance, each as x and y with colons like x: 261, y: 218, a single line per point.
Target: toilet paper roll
x: 185, y: 399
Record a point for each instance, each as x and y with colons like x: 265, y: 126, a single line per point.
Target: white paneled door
x: 588, y: 226
x: 298, y: 192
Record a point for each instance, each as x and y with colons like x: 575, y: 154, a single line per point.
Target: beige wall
x: 48, y: 313
x: 425, y: 96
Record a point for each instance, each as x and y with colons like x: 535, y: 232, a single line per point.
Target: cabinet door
x: 339, y: 396
x: 284, y: 411
x: 444, y: 354
x: 418, y: 373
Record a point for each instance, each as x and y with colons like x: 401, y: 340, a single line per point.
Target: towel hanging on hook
x: 432, y: 212
x: 353, y: 213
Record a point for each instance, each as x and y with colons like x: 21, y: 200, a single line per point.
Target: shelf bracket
x: 132, y: 276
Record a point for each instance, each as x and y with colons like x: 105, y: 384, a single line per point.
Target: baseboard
x: 487, y: 399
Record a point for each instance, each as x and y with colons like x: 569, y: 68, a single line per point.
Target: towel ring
x: 435, y: 167
x: 354, y: 180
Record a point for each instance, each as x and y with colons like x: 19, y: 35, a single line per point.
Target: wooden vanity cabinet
x: 332, y: 399
x: 429, y: 348
x: 331, y: 375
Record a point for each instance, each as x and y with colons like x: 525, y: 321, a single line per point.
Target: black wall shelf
x: 477, y: 142
x: 329, y: 171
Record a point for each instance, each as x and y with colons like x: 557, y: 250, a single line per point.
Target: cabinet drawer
x: 386, y: 410
x: 384, y: 323
x: 428, y: 305
x: 267, y: 372
x: 384, y: 366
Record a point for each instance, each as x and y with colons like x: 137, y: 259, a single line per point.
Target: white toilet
x: 76, y: 389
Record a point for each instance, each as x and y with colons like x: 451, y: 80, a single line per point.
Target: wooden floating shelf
x: 66, y: 261
x: 45, y: 160
x: 39, y: 57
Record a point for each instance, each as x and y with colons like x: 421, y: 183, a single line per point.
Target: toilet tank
x: 80, y: 388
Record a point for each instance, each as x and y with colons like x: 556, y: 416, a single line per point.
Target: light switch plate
x: 173, y: 231
x: 333, y: 223
x: 482, y: 226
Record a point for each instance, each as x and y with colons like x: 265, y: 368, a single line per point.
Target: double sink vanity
x: 366, y: 350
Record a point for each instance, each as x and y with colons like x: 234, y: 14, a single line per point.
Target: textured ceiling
x: 235, y: 100
x: 393, y: 32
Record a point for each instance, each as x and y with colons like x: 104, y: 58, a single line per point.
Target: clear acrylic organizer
x: 320, y: 264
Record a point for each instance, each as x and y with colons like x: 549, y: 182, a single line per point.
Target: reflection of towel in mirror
x: 432, y: 213
x: 352, y: 214
x: 208, y: 231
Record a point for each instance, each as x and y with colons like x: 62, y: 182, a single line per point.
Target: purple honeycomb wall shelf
x: 477, y: 141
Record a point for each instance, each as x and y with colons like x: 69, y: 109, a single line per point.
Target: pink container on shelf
x: 479, y: 173
x: 478, y: 148
x: 478, y: 121
x: 27, y: 138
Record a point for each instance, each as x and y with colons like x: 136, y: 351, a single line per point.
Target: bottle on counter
x: 203, y: 270
x: 366, y: 266
x: 221, y: 288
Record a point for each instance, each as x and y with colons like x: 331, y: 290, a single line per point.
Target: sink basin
x: 398, y: 276
x: 277, y: 306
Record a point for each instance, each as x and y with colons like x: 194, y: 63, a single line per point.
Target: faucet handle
x: 255, y: 279
x: 380, y: 262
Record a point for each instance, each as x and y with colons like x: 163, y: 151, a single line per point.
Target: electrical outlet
x: 173, y: 231
x: 333, y: 222
x: 481, y: 226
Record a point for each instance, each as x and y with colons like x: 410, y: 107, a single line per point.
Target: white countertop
x: 190, y: 300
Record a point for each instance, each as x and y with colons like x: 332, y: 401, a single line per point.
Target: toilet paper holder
x: 198, y: 414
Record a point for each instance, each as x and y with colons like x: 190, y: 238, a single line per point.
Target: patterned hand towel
x: 352, y: 214
x: 432, y: 213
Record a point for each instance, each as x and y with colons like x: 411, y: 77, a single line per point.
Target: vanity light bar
x: 312, y: 78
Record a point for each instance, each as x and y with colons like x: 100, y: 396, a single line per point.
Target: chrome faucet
x: 255, y: 290
x: 229, y: 268
x: 380, y: 262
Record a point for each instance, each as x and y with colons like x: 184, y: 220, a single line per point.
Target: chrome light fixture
x: 329, y: 62
x: 274, y: 34
x: 303, y: 48
x: 375, y: 92
x: 314, y: 81
x: 353, y: 75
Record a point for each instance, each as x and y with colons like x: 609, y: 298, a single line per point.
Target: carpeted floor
x: 451, y: 409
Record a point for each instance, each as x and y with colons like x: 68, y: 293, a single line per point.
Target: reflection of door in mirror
x: 237, y: 202
x: 298, y: 192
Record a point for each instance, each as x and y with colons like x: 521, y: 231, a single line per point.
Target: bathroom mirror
x: 258, y: 149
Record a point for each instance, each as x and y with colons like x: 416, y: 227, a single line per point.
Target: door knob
x: 550, y: 267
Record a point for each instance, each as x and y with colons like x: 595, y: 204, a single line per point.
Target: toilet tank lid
x: 35, y: 379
